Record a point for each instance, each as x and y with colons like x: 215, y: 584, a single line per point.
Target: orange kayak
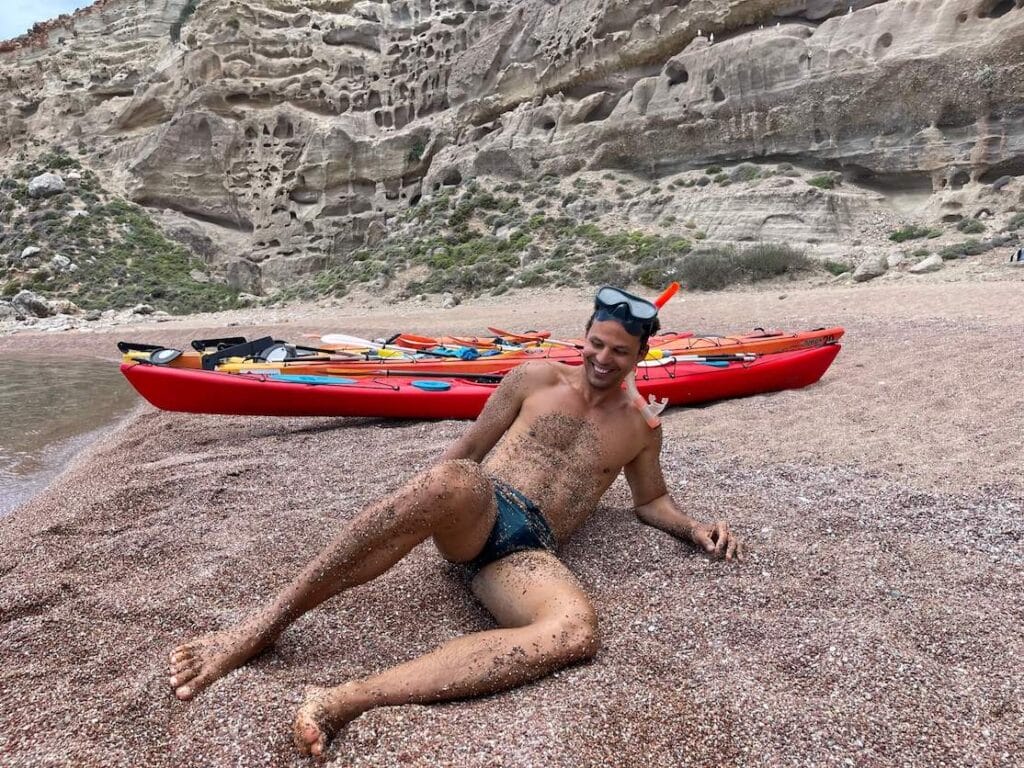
x: 308, y: 361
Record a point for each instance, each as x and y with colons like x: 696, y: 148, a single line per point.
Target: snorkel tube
x: 651, y: 408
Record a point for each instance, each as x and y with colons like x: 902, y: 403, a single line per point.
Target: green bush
x: 1017, y: 222
x: 913, y: 232
x: 765, y: 260
x: 745, y: 172
x: 836, y: 267
x: 969, y: 247
x: 713, y: 170
x: 825, y: 180
x: 709, y: 270
x: 970, y: 226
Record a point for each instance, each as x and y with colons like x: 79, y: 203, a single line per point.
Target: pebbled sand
x: 879, y: 621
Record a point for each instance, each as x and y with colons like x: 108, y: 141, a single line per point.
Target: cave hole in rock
x: 952, y: 218
x: 959, y: 179
x: 818, y: 136
x: 961, y: 18
x: 451, y: 178
x: 718, y: 94
x: 676, y: 73
x: 414, y: 200
x: 603, y: 110
x: 884, y: 42
x: 994, y: 9
x: 283, y: 129
x: 546, y: 123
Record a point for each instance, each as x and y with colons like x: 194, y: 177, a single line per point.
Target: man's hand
x: 717, y: 540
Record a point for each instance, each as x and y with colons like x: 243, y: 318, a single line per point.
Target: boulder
x: 61, y: 263
x: 142, y: 309
x: 64, y: 307
x: 31, y: 304
x: 46, y: 185
x: 895, y: 259
x: 30, y: 251
x: 931, y: 263
x: 871, y: 267
x: 449, y: 300
x: 7, y: 311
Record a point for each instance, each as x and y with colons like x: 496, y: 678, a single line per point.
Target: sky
x: 18, y: 16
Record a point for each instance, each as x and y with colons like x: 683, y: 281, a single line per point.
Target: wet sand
x: 878, y: 621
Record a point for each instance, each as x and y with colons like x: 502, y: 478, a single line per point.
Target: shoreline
x: 883, y: 506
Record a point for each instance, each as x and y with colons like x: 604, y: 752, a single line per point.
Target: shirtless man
x: 519, y: 481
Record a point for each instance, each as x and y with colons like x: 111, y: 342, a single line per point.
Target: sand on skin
x: 879, y: 619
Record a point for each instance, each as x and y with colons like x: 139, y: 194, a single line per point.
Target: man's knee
x: 457, y: 479
x: 576, y: 635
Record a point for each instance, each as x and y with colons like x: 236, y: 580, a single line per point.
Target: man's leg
x: 546, y: 620
x: 452, y: 501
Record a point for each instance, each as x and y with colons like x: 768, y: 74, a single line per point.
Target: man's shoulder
x: 543, y: 373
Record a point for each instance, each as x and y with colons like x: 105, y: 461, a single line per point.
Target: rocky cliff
x: 295, y: 133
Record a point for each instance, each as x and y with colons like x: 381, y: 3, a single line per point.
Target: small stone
x: 931, y: 263
x: 30, y: 251
x: 871, y: 267
x: 142, y: 309
x: 61, y: 263
x: 93, y: 315
x: 449, y: 300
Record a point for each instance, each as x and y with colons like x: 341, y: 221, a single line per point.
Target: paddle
x: 480, y: 378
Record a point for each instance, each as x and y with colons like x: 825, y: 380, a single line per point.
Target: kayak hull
x: 403, y: 397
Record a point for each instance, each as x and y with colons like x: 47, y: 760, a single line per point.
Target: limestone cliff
x: 294, y: 131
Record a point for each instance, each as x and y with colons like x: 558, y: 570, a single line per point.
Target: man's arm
x: 499, y: 412
x: 656, y: 507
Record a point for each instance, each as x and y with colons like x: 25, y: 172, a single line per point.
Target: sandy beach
x: 879, y: 620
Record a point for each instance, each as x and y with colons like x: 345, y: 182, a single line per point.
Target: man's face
x: 609, y: 354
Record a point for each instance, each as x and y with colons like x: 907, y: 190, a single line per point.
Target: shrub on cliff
x: 913, y: 232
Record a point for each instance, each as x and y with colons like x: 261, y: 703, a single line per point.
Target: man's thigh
x: 531, y: 586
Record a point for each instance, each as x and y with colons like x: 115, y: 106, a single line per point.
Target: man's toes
x: 192, y: 686
x: 181, y: 653
x: 177, y: 667
x: 309, y: 738
x: 184, y: 675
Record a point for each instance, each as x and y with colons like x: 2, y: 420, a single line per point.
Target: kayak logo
x: 818, y: 341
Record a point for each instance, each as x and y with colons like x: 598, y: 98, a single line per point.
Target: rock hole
x: 994, y: 9
x: 959, y: 179
x: 818, y: 136
x: 961, y: 18
x: 718, y: 95
x: 676, y: 73
x: 885, y: 40
x: 546, y: 123
x: 452, y: 178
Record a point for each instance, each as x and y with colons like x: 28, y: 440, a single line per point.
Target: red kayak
x: 447, y: 397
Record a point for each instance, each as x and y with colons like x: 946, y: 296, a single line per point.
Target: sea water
x: 50, y: 409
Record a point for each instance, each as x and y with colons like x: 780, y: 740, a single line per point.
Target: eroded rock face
x: 292, y: 131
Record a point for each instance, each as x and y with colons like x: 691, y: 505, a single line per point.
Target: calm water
x: 51, y: 408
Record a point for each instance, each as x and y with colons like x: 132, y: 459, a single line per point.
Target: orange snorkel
x: 651, y: 408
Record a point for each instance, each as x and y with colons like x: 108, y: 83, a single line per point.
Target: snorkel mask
x: 638, y: 316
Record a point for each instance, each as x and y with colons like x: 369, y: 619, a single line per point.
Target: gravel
x: 878, y: 621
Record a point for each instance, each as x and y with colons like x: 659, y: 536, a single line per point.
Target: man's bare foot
x: 198, y: 663
x: 324, y: 711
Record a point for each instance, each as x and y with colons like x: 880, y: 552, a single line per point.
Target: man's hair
x: 650, y: 329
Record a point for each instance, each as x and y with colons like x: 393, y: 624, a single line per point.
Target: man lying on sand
x: 554, y: 438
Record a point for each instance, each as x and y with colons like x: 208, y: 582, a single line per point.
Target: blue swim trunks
x: 519, y: 526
